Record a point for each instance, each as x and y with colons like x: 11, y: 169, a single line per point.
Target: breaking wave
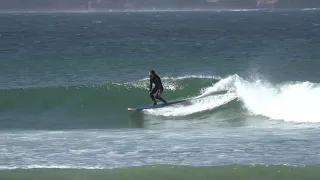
x: 289, y: 101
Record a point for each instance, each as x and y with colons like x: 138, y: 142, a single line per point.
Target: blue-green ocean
x: 251, y: 79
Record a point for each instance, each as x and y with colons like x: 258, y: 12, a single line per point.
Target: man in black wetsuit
x: 157, y: 89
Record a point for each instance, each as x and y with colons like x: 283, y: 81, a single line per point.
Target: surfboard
x: 155, y: 106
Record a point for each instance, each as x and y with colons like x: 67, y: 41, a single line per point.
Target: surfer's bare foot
x: 154, y: 103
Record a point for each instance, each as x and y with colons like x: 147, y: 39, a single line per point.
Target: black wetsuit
x: 157, y: 89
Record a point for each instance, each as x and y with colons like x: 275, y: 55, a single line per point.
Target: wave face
x: 110, y: 95
x: 169, y: 172
x: 290, y: 101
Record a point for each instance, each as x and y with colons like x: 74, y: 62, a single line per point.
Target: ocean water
x: 251, y: 78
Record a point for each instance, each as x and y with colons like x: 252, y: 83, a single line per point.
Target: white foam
x: 169, y: 83
x: 195, y: 106
x: 192, y: 76
x: 310, y: 9
x: 185, y: 77
x: 144, y: 84
x: 222, y: 85
x: 245, y: 10
x: 297, y: 102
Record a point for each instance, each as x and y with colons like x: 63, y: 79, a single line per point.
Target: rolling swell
x: 99, y: 106
x: 169, y: 172
x: 107, y: 96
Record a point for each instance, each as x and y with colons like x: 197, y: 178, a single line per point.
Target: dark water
x: 67, y: 79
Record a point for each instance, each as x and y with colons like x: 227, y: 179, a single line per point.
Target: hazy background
x: 92, y: 5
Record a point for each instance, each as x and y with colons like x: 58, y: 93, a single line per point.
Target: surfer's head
x: 152, y: 73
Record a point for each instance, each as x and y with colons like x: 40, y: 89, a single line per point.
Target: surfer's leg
x: 159, y: 97
x: 154, y: 90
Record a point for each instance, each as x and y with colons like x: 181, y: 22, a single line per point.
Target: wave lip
x: 194, y: 106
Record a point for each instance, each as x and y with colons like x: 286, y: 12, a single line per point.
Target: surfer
x: 157, y: 89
